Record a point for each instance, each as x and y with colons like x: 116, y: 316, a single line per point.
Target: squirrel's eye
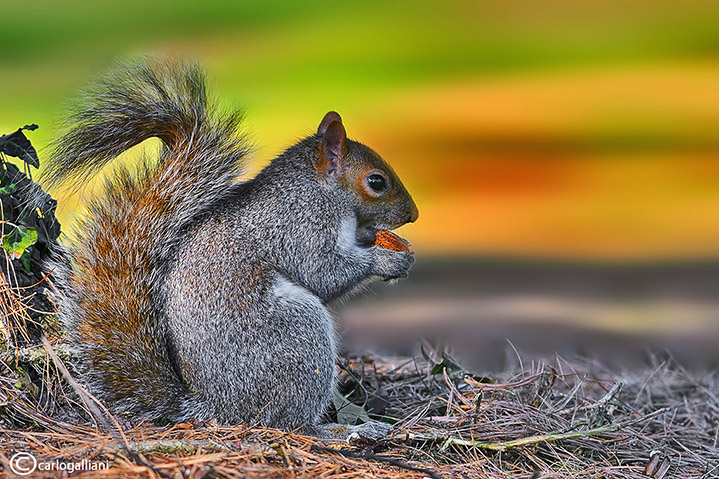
x: 377, y: 183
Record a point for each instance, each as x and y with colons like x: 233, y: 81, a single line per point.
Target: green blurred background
x: 572, y: 131
x: 577, y: 129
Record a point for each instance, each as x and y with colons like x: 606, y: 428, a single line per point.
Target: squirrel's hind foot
x: 371, y: 431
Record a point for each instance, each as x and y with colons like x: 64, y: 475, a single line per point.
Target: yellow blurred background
x: 578, y: 130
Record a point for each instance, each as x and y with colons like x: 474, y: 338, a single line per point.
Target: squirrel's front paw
x: 389, y: 264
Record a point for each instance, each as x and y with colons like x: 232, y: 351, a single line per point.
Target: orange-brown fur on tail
x: 109, y: 298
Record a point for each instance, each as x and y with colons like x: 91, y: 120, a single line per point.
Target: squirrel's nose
x: 413, y: 213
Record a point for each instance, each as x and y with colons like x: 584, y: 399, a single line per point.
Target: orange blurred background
x: 611, y: 163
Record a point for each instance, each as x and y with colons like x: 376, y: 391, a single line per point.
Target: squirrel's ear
x: 329, y: 118
x: 332, y: 148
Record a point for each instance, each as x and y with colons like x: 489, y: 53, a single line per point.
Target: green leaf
x: 16, y: 144
x: 437, y: 369
x: 347, y: 412
x: 8, y: 189
x: 15, y: 249
x: 25, y: 258
x: 451, y: 366
x: 484, y: 379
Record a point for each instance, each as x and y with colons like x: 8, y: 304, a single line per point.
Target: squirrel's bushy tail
x: 109, y: 296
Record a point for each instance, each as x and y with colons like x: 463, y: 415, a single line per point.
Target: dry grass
x: 14, y: 317
x: 558, y: 418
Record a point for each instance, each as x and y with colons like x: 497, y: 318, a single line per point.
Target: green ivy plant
x: 17, y: 242
x: 19, y: 234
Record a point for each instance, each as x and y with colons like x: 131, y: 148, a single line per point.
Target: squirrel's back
x: 109, y: 297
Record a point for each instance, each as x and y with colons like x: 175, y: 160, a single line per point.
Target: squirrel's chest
x: 346, y: 242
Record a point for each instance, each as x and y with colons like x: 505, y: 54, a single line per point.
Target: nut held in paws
x: 388, y: 240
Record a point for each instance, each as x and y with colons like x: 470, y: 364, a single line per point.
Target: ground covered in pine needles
x: 546, y: 419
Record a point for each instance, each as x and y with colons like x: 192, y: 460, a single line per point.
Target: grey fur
x: 231, y: 280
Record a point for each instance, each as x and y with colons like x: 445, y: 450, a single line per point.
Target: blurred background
x: 563, y: 154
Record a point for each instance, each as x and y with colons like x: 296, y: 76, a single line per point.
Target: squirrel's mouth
x: 368, y: 226
x: 366, y: 235
x: 370, y: 235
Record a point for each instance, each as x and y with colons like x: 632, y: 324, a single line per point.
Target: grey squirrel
x: 195, y: 295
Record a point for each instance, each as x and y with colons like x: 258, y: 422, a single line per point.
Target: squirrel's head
x: 381, y: 201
